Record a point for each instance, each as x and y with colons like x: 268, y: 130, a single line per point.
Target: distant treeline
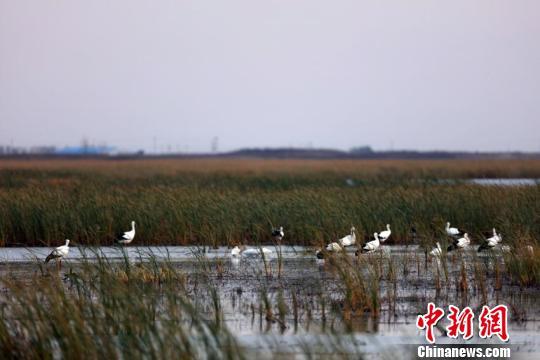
x: 366, y: 153
x: 297, y: 153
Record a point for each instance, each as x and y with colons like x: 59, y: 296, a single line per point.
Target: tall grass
x: 523, y: 263
x: 150, y: 308
x: 181, y: 205
x: 110, y: 310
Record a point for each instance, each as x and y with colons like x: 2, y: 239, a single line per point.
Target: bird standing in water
x: 58, y: 253
x: 460, y: 243
x: 491, y: 242
x: 349, y: 239
x: 385, y: 234
x: 452, y: 231
x: 370, y: 246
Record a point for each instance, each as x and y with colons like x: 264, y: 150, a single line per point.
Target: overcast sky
x: 452, y: 75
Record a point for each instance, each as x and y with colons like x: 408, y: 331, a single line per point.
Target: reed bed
x: 140, y: 168
x: 109, y: 310
x: 150, y: 308
x: 232, y: 202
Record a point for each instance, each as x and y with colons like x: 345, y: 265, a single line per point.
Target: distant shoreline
x: 293, y: 153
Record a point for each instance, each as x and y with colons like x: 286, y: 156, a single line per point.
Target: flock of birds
x: 122, y: 238
x: 463, y: 240
x: 237, y: 252
x: 350, y: 240
x: 460, y: 241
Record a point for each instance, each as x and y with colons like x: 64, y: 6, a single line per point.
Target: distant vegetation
x: 358, y: 152
x: 366, y: 152
x: 230, y: 201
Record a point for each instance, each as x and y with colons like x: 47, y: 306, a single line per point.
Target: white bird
x: 460, y: 243
x: 251, y: 252
x: 496, y: 237
x: 384, y: 235
x: 451, y: 231
x: 126, y: 237
x: 236, y: 251
x: 372, y: 245
x: 58, y: 253
x: 278, y: 234
x: 437, y: 251
x: 332, y: 247
x: 349, y: 239
x: 491, y: 242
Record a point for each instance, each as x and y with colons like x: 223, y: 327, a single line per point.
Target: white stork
x: 460, y: 243
x: 372, y: 245
x: 126, y: 237
x: 58, y: 253
x: 384, y: 235
x: 437, y: 251
x: 491, y: 242
x: 349, y: 239
x: 278, y: 234
x: 452, y: 231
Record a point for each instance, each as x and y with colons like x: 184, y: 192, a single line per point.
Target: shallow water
x: 241, y: 283
x: 172, y: 253
x: 506, y: 182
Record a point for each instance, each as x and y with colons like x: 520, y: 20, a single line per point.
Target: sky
x: 172, y: 75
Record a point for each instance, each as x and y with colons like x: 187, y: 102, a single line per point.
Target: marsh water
x: 242, y: 283
x: 506, y: 182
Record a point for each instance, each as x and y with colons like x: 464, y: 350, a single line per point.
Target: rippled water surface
x: 241, y: 283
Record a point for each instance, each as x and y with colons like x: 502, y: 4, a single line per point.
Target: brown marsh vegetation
x: 231, y: 201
